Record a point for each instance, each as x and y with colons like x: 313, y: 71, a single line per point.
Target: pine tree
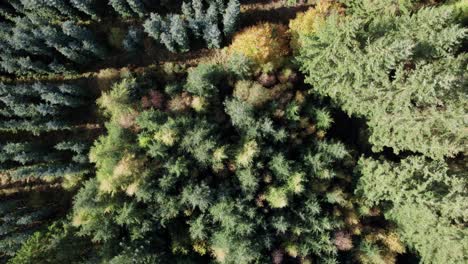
x: 231, y: 17
x: 133, y: 41
x: 178, y: 32
x: 85, y: 36
x: 122, y: 8
x: 195, y: 23
x: 86, y: 6
x: 212, y: 35
x: 154, y: 26
x: 137, y: 6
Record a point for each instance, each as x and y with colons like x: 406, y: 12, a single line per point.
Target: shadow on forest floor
x: 252, y: 12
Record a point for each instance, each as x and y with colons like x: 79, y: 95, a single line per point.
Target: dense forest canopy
x: 231, y: 131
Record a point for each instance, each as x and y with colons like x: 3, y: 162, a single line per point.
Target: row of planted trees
x: 49, y: 37
x: 39, y: 150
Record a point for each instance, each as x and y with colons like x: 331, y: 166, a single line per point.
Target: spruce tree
x: 122, y: 8
x: 178, y: 32
x: 137, y: 6
x: 231, y: 17
x: 154, y: 26
x: 424, y: 199
x: 381, y: 74
x: 195, y: 23
x: 133, y: 41
x: 24, y: 212
x: 203, y: 80
x: 212, y: 35
x: 85, y: 36
x: 86, y: 6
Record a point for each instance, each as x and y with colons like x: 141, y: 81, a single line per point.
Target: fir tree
x: 203, y: 79
x: 133, y: 41
x: 231, y: 17
x: 178, y: 31
x: 154, y: 26
x: 412, y: 120
x: 86, y: 6
x: 427, y: 210
x: 86, y: 37
x: 137, y: 6
x: 212, y: 35
x: 122, y: 8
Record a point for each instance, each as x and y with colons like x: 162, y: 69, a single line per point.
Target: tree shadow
x: 276, y: 15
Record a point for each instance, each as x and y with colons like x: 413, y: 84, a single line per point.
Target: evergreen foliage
x: 229, y: 175
x: 227, y: 156
x: 133, y: 41
x: 86, y: 6
x: 178, y: 32
x: 57, y: 244
x: 21, y: 215
x: 122, y: 7
x: 204, y: 79
x: 403, y: 74
x: 35, y: 47
x: 88, y: 42
x: 231, y: 17
x: 425, y: 199
x: 200, y: 20
x: 137, y: 6
x: 240, y: 66
x: 38, y: 107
